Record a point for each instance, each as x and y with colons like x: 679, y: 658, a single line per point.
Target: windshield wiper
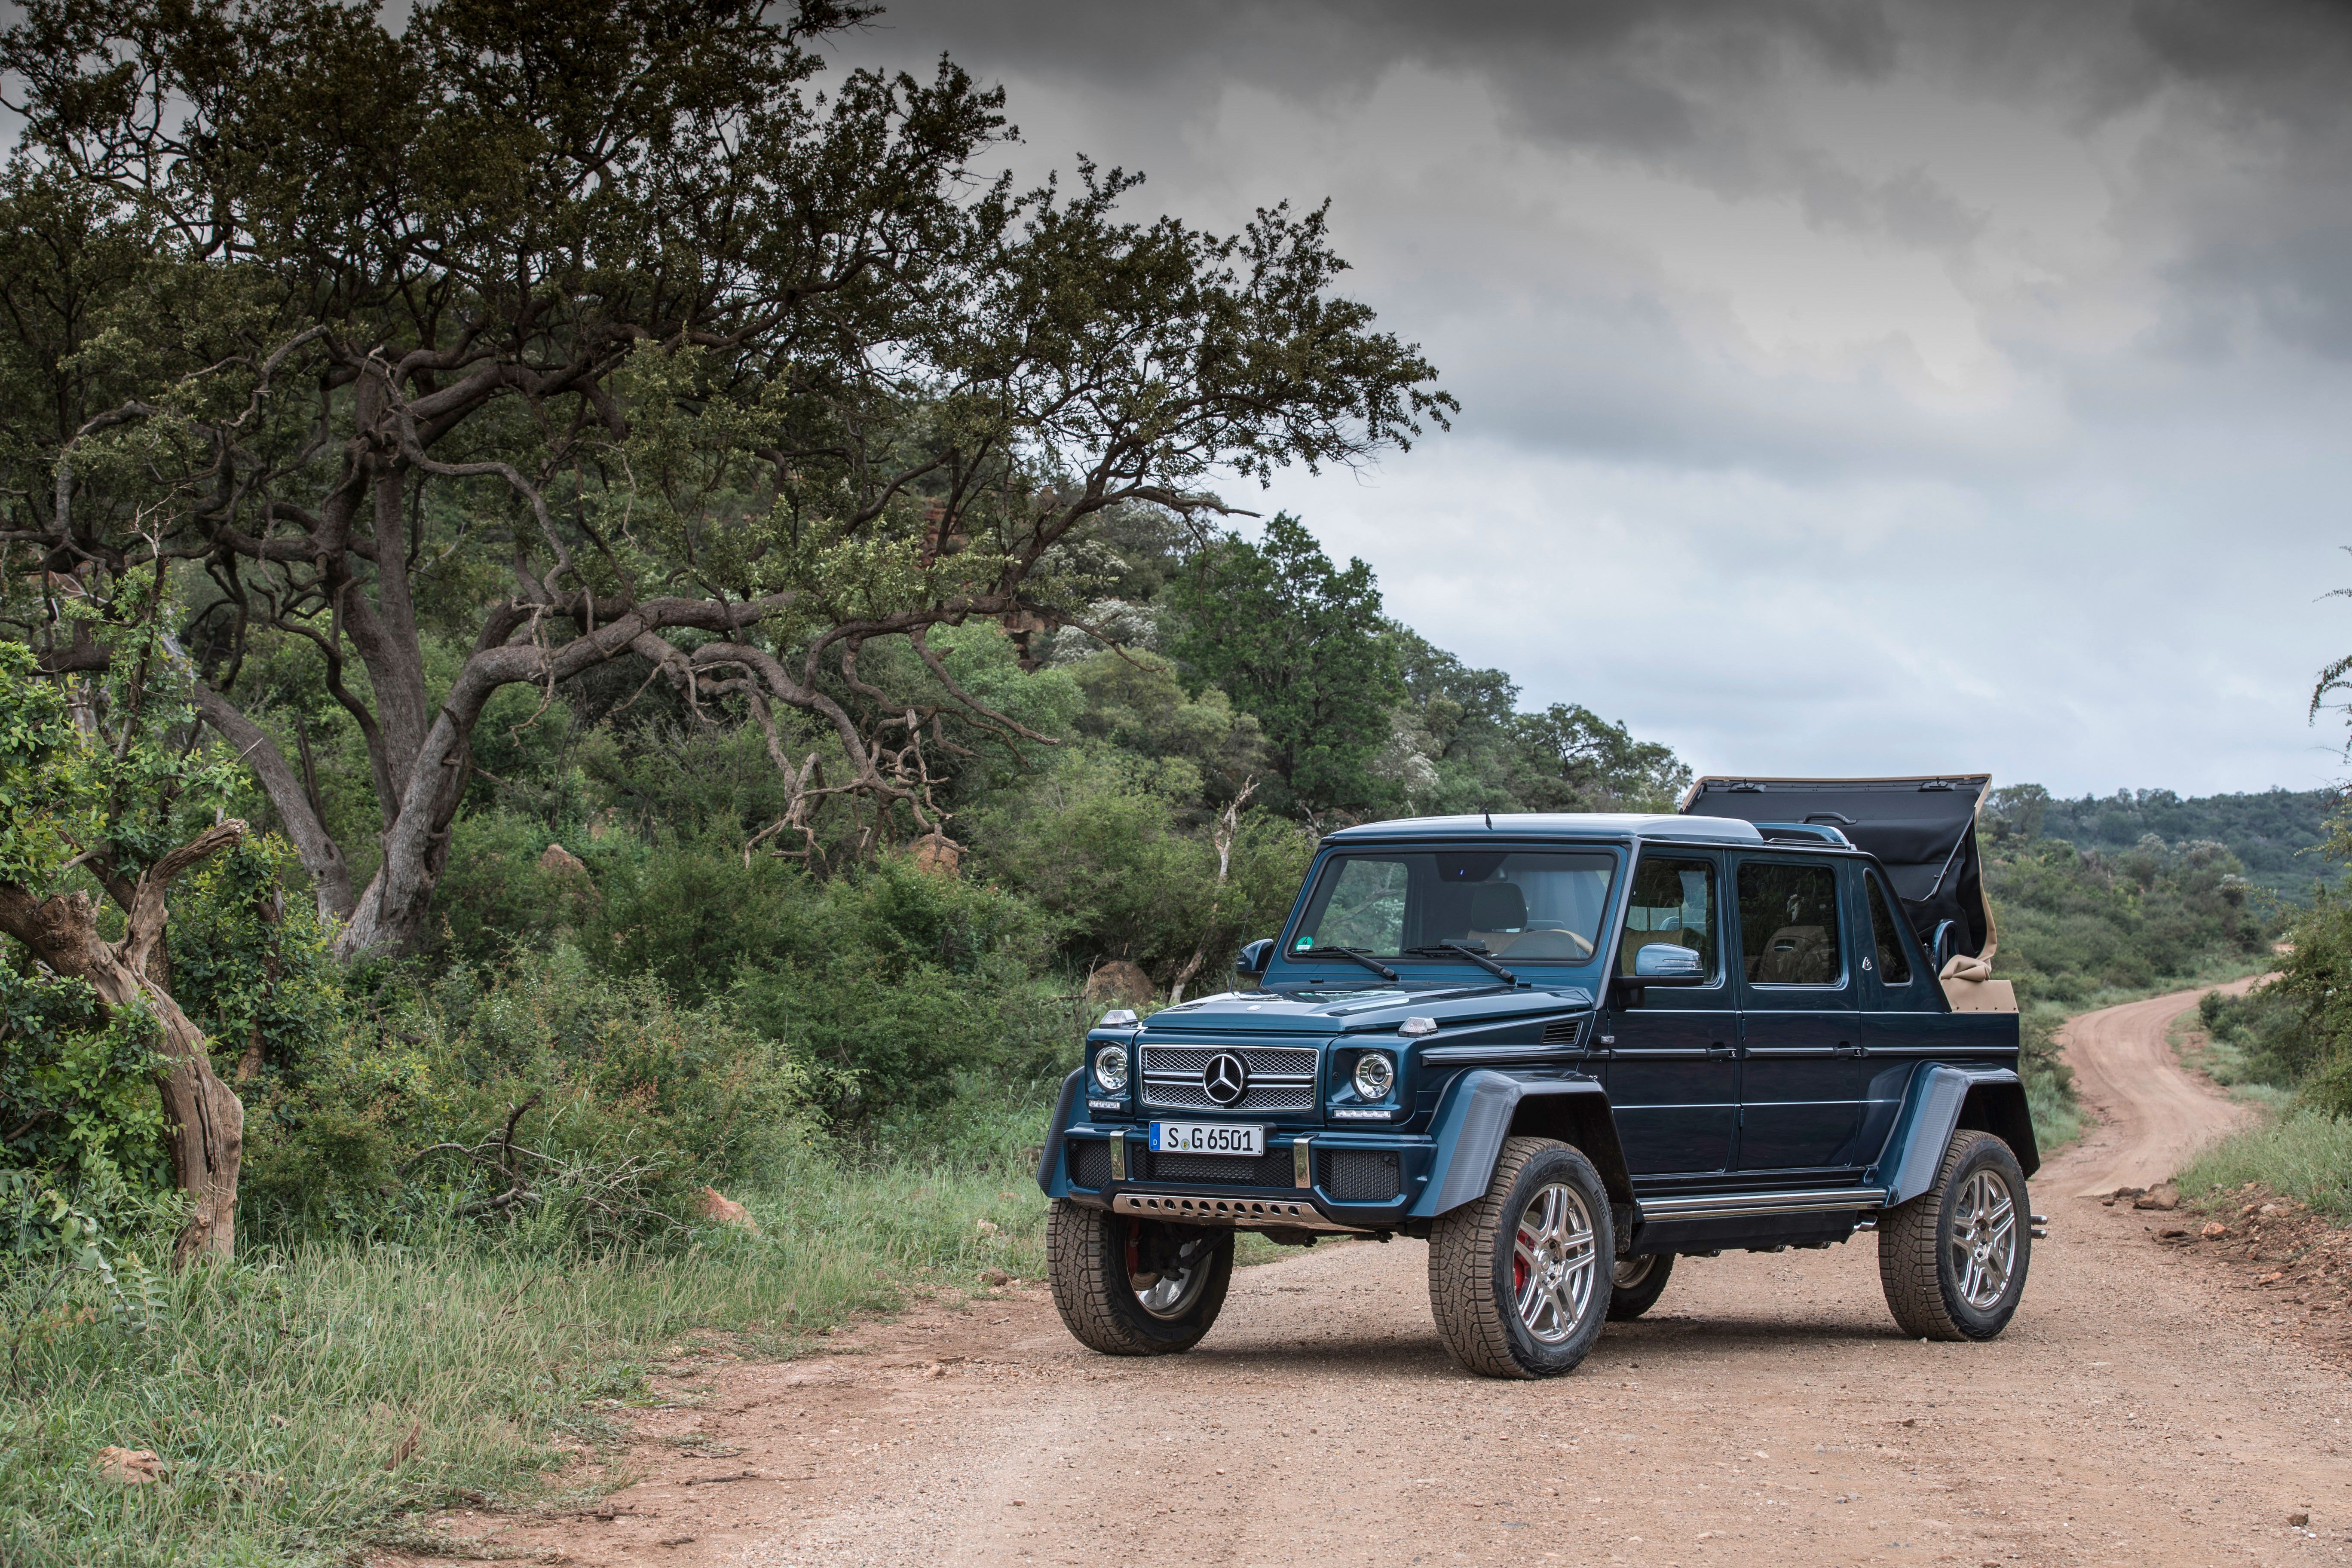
x: 1474, y: 952
x: 1360, y: 956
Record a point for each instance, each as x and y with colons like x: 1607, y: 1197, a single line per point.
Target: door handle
x: 1716, y: 1051
x: 1848, y: 1049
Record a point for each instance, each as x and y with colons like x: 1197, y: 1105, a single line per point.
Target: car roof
x: 1557, y: 825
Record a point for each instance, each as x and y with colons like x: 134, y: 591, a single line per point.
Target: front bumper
x: 1305, y: 1181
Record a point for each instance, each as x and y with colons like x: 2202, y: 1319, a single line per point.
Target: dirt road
x: 2137, y: 1412
x: 2151, y: 1112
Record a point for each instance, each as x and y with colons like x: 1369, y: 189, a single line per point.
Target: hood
x: 1328, y: 1010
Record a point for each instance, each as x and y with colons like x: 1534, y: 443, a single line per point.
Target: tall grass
x: 2305, y: 1156
x: 280, y: 1393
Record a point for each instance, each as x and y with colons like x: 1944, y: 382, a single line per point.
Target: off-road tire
x: 1085, y: 1264
x: 1470, y: 1256
x: 1628, y: 1299
x: 1915, y: 1263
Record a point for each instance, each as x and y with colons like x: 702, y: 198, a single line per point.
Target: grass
x: 278, y: 1391
x: 2305, y: 1154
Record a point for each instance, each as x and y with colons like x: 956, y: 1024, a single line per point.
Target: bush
x: 917, y: 979
x: 544, y: 1100
x: 2305, y: 1156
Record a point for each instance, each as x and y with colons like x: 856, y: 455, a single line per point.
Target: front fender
x: 1050, y: 1174
x: 1942, y: 1100
x: 1484, y: 1107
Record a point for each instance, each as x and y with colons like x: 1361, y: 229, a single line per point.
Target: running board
x: 1734, y: 1206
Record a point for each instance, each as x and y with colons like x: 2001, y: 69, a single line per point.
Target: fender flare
x: 1049, y: 1160
x: 1943, y: 1101
x: 1486, y: 1106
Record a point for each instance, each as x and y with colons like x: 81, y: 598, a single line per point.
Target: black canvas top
x: 1923, y: 829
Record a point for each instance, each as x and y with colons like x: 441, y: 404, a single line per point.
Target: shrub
x: 544, y: 1098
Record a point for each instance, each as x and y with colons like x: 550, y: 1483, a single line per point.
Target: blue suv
x: 1567, y: 1050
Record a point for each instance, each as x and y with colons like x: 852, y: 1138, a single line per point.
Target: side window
x: 1894, y: 962
x: 1788, y: 931
x: 1673, y: 901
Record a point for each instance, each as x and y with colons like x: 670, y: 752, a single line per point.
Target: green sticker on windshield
x: 1306, y: 942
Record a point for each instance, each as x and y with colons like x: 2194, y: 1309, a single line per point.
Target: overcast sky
x: 1844, y: 390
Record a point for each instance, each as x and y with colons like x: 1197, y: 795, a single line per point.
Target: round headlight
x: 1375, y: 1075
x: 1110, y: 1069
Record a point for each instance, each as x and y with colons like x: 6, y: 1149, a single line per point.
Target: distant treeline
x: 2275, y: 835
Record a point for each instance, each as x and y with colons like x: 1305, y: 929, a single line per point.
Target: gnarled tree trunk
x: 204, y: 1119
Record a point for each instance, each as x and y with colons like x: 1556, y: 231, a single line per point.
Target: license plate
x: 1206, y: 1138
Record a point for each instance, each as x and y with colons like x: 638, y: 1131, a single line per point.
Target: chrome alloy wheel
x: 1171, y: 1293
x: 1984, y: 1239
x: 1552, y: 1259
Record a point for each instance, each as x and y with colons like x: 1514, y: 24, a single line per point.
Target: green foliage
x: 2305, y: 1156
x: 1106, y: 850
x: 1301, y: 644
x: 252, y: 962
x: 51, y: 795
x: 544, y: 1101
x: 2276, y: 834
x: 77, y: 1086
x: 2261, y: 1037
x: 1578, y: 761
x: 904, y: 981
x: 2077, y: 925
x: 1193, y: 750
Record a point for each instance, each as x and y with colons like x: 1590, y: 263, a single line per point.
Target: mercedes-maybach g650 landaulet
x: 1566, y: 1051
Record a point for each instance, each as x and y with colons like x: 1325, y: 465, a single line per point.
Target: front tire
x: 1953, y: 1259
x: 1637, y: 1283
x: 1125, y: 1286
x: 1519, y: 1281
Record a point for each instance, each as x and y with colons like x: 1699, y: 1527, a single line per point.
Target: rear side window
x: 1673, y: 901
x: 1894, y: 963
x: 1788, y: 931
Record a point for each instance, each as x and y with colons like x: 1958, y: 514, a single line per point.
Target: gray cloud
x: 1883, y: 386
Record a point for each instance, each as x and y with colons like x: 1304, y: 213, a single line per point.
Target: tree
x: 480, y: 351
x: 89, y: 776
x: 1301, y: 644
x: 1574, y: 760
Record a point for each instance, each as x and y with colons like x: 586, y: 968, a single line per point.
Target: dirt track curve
x: 1766, y: 1412
x: 2151, y: 1112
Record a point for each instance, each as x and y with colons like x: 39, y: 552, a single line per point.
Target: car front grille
x: 1361, y: 1175
x: 1266, y: 1171
x: 1281, y: 1077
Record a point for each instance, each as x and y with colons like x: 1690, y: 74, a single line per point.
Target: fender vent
x: 1089, y: 1162
x: 1361, y: 1175
x: 1564, y: 1031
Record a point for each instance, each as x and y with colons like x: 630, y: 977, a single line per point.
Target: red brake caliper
x: 1519, y: 1265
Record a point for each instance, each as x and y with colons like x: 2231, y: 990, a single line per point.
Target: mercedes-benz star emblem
x: 1225, y: 1080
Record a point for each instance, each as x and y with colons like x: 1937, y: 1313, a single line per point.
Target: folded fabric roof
x: 1923, y: 829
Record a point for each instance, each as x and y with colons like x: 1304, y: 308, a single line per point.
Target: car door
x: 1673, y: 1067
x: 1803, y: 1073
x: 1902, y: 1007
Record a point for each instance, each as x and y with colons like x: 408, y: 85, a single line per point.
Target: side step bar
x: 1734, y: 1205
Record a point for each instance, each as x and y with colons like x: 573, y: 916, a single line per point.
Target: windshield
x: 1405, y: 905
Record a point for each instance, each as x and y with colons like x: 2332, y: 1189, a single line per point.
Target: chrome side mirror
x: 1664, y: 964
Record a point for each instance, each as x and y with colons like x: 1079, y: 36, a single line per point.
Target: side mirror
x: 1254, y: 956
x: 1664, y: 964
x: 1944, y: 945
